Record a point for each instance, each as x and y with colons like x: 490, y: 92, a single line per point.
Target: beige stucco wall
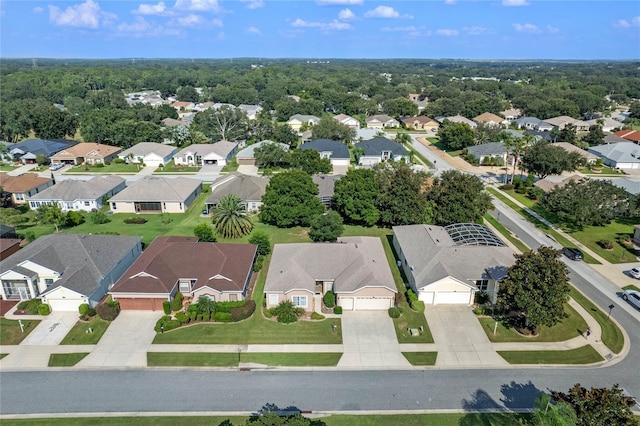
x: 289, y: 296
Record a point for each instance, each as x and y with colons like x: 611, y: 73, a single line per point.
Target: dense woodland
x: 92, y: 91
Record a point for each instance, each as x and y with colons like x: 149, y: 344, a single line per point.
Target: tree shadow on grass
x: 485, y: 411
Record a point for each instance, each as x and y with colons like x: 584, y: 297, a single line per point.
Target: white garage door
x: 346, y: 303
x: 373, y: 303
x: 426, y: 297
x: 452, y: 297
x: 64, y: 304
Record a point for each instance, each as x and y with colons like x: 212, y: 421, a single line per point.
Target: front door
x: 24, y: 293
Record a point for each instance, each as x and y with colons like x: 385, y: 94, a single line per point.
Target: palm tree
x: 517, y: 146
x: 230, y: 219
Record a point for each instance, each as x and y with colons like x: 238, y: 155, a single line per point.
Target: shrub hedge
x: 169, y: 324
x: 137, y: 220
x: 243, y: 312
x: 329, y: 299
x: 108, y: 311
x: 182, y: 318
x: 316, y: 316
x: 31, y: 306
x: 226, y: 307
x: 83, y: 308
x: 337, y: 310
x: 44, y: 309
x: 166, y: 307
x: 176, y: 303
x: 222, y: 317
x: 394, y: 312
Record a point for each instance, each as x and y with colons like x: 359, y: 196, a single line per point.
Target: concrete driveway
x: 52, y: 329
x: 460, y: 339
x: 369, y: 341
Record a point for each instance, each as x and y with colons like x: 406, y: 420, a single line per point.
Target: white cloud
x: 515, y: 3
x: 38, y: 9
x: 450, y: 1
x: 476, y: 30
x: 382, y: 12
x: 447, y: 32
x: 253, y: 4
x: 346, y: 14
x: 339, y: 2
x: 410, y: 28
x: 552, y: 29
x: 217, y: 23
x: 333, y: 25
x: 150, y: 9
x: 142, y: 28
x: 83, y: 15
x: 526, y: 28
x: 189, y: 20
x: 253, y: 30
x: 199, y: 5
x: 624, y: 23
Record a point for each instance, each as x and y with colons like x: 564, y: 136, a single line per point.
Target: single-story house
x: 326, y: 187
x: 552, y: 182
x: 172, y: 122
x: 148, y: 153
x: 621, y: 155
x: 208, y: 153
x: 252, y: 111
x: 348, y: 121
x: 366, y: 134
x: 335, y: 151
x: 354, y: 268
x: 246, y: 157
x: 613, y: 138
x: 382, y: 121
x: 153, y: 194
x: 27, y: 150
x: 629, y: 135
x: 541, y: 136
x: 24, y: 186
x: 489, y: 119
x: 376, y: 150
x: 533, y: 123
x: 569, y: 147
x: 631, y: 185
x: 183, y: 105
x: 511, y: 114
x: 608, y: 123
x: 66, y: 270
x: 561, y: 121
x: 79, y: 195
x: 8, y: 246
x: 172, y: 264
x: 249, y: 189
x: 485, y: 151
x: 86, y: 152
x: 297, y: 120
x: 458, y: 119
x: 448, y: 265
x: 421, y: 122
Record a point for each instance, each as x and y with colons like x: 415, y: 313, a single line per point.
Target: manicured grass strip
x: 78, y: 335
x: 111, y: 168
x: 568, y: 328
x: 419, y: 155
x: 10, y: 333
x: 411, y: 319
x: 421, y: 358
x: 631, y: 287
x: 582, y: 355
x: 199, y: 359
x: 170, y: 167
x: 506, y: 233
x: 335, y: 420
x: 612, y: 336
x: 66, y: 360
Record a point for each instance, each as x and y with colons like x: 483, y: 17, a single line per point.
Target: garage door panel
x: 64, y: 304
x: 141, y: 304
x: 346, y: 303
x: 372, y: 303
x: 452, y: 298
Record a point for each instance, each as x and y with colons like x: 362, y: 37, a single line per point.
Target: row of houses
x: 443, y: 266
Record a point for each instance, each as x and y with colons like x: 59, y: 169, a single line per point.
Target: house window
x: 86, y: 203
x: 19, y: 196
x: 48, y: 281
x: 483, y: 285
x: 113, y: 206
x: 185, y: 287
x: 233, y: 297
x: 273, y: 299
x: 300, y: 301
x: 16, y: 289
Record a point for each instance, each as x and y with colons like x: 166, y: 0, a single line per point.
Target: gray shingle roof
x: 72, y: 189
x: 353, y: 263
x: 375, y: 146
x: 153, y: 188
x: 83, y: 260
x: 326, y: 184
x: 336, y: 148
x: 248, y: 152
x: 145, y: 148
x: 621, y: 152
x: 221, y: 148
x: 248, y: 188
x: 487, y: 149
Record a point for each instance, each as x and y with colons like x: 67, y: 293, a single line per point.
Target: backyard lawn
x: 572, y: 326
x: 66, y: 360
x: 232, y: 359
x: 78, y: 334
x: 10, y: 333
x: 582, y: 355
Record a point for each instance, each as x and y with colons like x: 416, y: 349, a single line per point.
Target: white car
x: 56, y: 166
x: 632, y: 297
x: 635, y: 273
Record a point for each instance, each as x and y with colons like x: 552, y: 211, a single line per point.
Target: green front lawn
x: 10, y: 333
x: 411, y: 319
x: 603, y: 170
x: 171, y: 167
x: 111, y: 168
x: 421, y: 358
x: 66, y: 360
x: 582, y: 355
x: 7, y: 167
x: 78, y: 334
x: 199, y: 359
x: 631, y: 287
x: 572, y: 326
x: 612, y: 336
x: 231, y: 166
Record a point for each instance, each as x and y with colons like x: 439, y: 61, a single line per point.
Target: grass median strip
x: 582, y: 355
x: 421, y: 358
x: 507, y: 234
x: 612, y: 336
x: 66, y: 360
x: 86, y: 333
x: 232, y: 359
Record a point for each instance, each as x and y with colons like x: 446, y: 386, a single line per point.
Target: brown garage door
x: 142, y: 304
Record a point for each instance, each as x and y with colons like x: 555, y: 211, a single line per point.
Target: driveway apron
x: 52, y: 329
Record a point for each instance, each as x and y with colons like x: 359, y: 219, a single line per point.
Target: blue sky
x: 466, y: 29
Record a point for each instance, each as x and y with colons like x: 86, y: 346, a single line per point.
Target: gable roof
x: 337, y: 148
x: 487, y: 117
x: 74, y: 189
x: 145, y: 148
x: 352, y: 263
x: 569, y: 147
x: 87, y: 150
x: 422, y: 119
x: 630, y: 135
x: 375, y: 147
x: 46, y: 147
x: 247, y: 187
x: 550, y: 183
x: 21, y: 183
x: 82, y: 260
x: 304, y: 118
x: 326, y: 184
x: 432, y: 255
x: 621, y: 152
x: 153, y: 188
x: 459, y: 119
x: 487, y: 149
x: 249, y: 152
x: 563, y: 120
x: 341, y: 118
x: 221, y: 148
x: 222, y: 267
x: 383, y: 118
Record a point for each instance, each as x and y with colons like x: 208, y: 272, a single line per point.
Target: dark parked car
x: 572, y: 253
